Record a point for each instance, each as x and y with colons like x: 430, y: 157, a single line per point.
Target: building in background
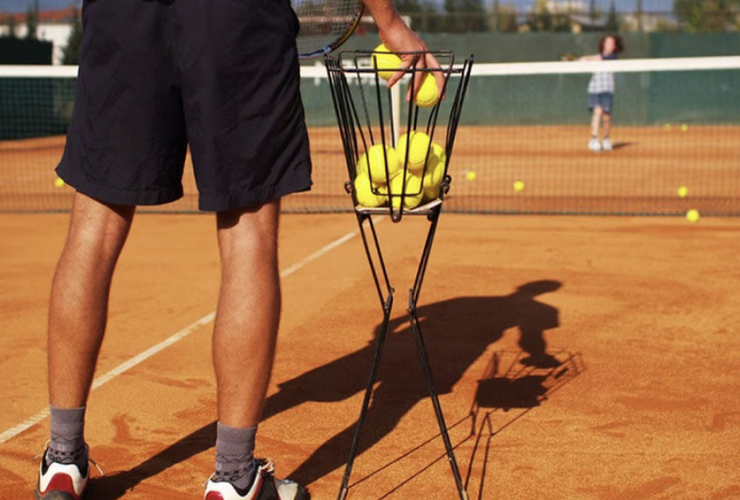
x: 54, y: 26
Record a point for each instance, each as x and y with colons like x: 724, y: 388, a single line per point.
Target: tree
x: 423, y: 14
x: 32, y: 21
x: 413, y: 9
x: 706, y: 15
x: 12, y: 25
x: 540, y: 18
x: 434, y: 19
x: 465, y: 16
x: 71, y: 53
x: 612, y: 22
x: 503, y: 18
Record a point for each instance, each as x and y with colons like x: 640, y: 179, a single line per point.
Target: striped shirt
x: 602, y: 82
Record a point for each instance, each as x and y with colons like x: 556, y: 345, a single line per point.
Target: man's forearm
x: 384, y: 13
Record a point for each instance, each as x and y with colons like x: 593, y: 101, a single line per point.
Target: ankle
x: 235, y: 456
x: 67, y: 444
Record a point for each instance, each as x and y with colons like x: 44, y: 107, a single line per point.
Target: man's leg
x: 78, y: 309
x: 248, y: 312
x: 244, y: 335
x: 78, y: 305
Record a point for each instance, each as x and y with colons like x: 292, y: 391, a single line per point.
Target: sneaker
x: 594, y: 145
x: 606, y: 145
x: 60, y: 482
x: 265, y: 487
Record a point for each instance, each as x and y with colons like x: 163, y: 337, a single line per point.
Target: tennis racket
x: 325, y: 24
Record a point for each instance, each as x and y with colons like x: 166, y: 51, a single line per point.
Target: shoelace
x: 42, y: 456
x: 264, y: 464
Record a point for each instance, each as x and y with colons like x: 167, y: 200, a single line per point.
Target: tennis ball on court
x: 412, y: 195
x: 373, y: 161
x: 428, y: 94
x: 667, y: 126
x: 683, y: 192
x: 471, y: 175
x: 418, y: 144
x: 364, y: 192
x: 387, y: 62
x: 692, y: 215
x: 518, y: 186
x: 58, y: 182
x: 684, y: 127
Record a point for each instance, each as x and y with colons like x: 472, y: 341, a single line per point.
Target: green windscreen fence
x: 522, y: 145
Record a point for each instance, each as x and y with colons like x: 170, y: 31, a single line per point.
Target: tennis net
x: 522, y: 144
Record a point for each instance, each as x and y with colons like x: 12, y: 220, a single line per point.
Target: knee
x: 249, y: 232
x: 99, y: 227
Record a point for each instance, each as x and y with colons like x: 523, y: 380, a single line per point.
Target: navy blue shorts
x: 158, y: 76
x: 605, y: 100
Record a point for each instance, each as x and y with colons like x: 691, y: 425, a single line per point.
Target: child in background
x: 601, y: 93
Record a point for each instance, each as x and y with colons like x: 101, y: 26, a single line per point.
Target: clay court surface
x: 639, y: 316
x: 561, y: 175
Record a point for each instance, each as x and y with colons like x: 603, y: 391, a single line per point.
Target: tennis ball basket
x: 397, y: 148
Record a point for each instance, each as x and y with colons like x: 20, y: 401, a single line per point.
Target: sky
x: 22, y: 5
x: 621, y: 5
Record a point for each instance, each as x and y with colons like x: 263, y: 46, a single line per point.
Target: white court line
x: 139, y: 358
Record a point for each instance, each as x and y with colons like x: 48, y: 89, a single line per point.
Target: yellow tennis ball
x: 684, y: 127
x: 693, y: 215
x: 418, y: 144
x: 373, y: 161
x: 361, y: 166
x: 413, y: 194
x: 667, y: 126
x: 518, y: 186
x: 58, y: 182
x: 683, y: 192
x: 386, y: 61
x: 428, y: 95
x: 364, y: 192
x: 471, y: 175
x: 436, y: 163
x: 439, y: 151
x: 434, y: 172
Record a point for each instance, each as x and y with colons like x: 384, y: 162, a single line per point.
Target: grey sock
x: 235, y: 456
x: 67, y: 445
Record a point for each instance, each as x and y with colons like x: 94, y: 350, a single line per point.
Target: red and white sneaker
x: 264, y: 487
x: 61, y: 482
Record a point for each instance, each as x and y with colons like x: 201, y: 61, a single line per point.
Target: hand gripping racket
x: 325, y: 24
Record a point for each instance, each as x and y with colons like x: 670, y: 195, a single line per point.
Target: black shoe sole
x: 54, y: 495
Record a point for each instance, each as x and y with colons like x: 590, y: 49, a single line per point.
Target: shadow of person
x: 456, y: 332
x: 534, y: 318
x: 113, y: 486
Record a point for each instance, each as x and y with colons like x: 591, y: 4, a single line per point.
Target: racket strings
x: 324, y: 25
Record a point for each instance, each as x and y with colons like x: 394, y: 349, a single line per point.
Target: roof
x: 45, y: 16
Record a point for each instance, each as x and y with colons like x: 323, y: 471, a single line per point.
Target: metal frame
x: 364, y: 119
